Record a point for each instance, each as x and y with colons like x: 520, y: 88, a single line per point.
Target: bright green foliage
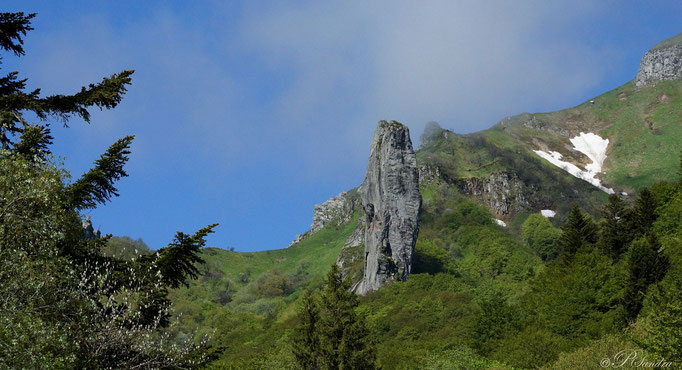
x: 541, y: 236
x: 495, y: 320
x: 529, y: 348
x: 247, y: 301
x: 125, y: 248
x: 570, y: 303
x: 578, y: 231
x: 646, y: 265
x: 614, y: 348
x: 60, y: 308
x: 615, y: 235
x: 664, y: 320
x: 432, y: 257
x: 332, y: 335
x: 458, y: 358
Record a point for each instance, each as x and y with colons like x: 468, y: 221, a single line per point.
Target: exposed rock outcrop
x: 338, y: 210
x: 502, y: 193
x: 662, y: 62
x: 352, y: 257
x: 391, y: 202
x: 89, y: 232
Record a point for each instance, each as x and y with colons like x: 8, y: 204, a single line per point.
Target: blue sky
x: 249, y: 113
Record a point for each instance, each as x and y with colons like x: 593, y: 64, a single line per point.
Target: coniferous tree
x: 14, y: 100
x: 614, y: 235
x: 579, y: 230
x: 63, y: 303
x: 305, y: 339
x: 331, y: 335
x: 646, y: 265
x: 643, y: 214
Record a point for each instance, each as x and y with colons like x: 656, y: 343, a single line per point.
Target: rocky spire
x: 662, y: 62
x: 391, y: 201
x: 90, y: 232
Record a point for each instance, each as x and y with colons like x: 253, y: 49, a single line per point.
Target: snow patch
x: 594, y: 147
x: 501, y: 223
x: 548, y: 213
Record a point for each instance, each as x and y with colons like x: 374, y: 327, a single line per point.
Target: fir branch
x: 97, y: 185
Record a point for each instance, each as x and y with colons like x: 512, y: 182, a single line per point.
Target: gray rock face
x: 90, y: 232
x: 660, y: 63
x: 502, y: 193
x: 338, y: 209
x: 391, y: 201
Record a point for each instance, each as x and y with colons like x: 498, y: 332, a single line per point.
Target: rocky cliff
x: 662, y: 62
x: 503, y: 193
x: 90, y: 232
x: 391, y: 203
x: 336, y: 210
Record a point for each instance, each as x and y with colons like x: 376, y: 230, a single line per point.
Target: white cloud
x: 464, y: 64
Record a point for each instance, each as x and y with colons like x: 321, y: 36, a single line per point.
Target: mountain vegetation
x: 517, y: 265
x: 64, y: 302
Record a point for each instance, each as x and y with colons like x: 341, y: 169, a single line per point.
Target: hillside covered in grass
x: 642, y: 125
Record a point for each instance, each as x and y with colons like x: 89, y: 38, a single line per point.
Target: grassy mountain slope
x: 643, y: 125
x: 246, y: 300
x: 465, y: 159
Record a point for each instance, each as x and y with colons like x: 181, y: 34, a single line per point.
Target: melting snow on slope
x: 501, y: 223
x: 594, y: 147
x: 548, y: 213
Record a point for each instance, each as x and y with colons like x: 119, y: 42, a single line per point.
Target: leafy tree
x: 579, y: 230
x: 646, y: 265
x: 614, y: 235
x: 331, y: 335
x: 125, y: 248
x: 495, y: 320
x: 541, y: 236
x: 665, y: 318
x: 63, y: 303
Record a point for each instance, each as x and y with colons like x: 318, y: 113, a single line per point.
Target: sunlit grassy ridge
x: 643, y: 125
x: 675, y: 40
